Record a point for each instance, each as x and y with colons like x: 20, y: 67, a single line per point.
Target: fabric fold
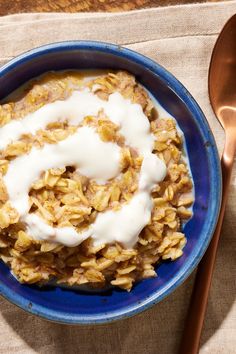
x: 180, y: 38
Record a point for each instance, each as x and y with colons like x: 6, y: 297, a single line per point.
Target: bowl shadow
x: 223, y: 288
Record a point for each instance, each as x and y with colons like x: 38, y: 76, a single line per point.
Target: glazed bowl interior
x: 77, y: 306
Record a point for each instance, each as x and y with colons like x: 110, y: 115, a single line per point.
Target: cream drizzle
x: 93, y: 158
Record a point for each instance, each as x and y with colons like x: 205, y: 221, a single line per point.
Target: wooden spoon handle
x: 198, y: 303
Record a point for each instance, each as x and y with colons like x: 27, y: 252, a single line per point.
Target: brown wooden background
x: 16, y: 6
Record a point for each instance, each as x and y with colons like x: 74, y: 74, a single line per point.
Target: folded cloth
x: 180, y: 38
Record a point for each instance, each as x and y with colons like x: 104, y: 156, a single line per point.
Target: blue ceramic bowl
x: 77, y: 307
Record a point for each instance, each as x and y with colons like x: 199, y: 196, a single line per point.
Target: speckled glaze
x: 78, y: 307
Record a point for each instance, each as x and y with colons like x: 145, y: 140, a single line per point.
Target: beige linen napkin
x: 180, y: 38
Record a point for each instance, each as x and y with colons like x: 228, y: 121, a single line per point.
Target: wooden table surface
x: 15, y: 6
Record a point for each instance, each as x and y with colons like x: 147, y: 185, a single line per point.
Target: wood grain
x: 16, y: 6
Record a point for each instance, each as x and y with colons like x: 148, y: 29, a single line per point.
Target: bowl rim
x: 215, y: 176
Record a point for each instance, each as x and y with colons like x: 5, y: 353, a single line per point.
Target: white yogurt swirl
x: 92, y: 158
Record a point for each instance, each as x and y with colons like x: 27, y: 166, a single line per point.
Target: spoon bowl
x: 222, y: 76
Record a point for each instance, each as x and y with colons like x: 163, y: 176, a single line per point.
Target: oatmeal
x: 94, y: 186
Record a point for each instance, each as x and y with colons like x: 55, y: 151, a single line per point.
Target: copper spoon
x: 222, y: 92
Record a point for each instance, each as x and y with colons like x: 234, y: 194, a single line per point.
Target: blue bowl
x: 77, y: 307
